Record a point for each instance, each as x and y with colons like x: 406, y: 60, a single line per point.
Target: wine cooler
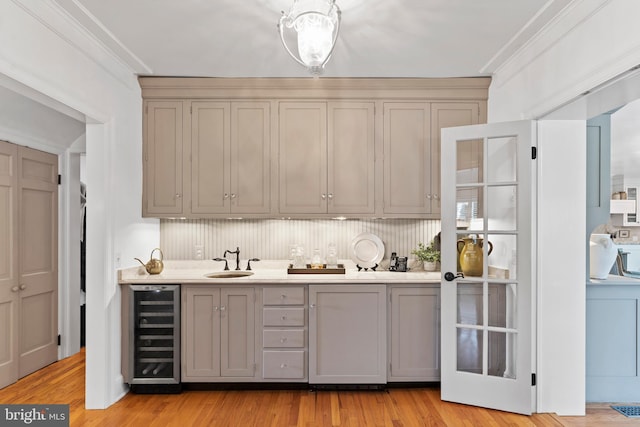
x: 154, y: 338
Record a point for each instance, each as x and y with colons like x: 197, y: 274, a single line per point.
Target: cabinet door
x: 250, y: 190
x: 9, y: 288
x: 415, y: 334
x: 238, y: 332
x: 210, y: 157
x: 407, y: 165
x: 163, y: 140
x: 303, y: 157
x: 347, y: 334
x: 444, y: 115
x: 351, y: 158
x: 200, y: 333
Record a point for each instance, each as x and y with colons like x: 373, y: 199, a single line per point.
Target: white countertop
x: 267, y: 272
x: 613, y: 279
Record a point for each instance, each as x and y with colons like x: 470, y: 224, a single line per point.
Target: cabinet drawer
x: 283, y: 364
x: 283, y: 296
x: 283, y: 338
x: 283, y: 316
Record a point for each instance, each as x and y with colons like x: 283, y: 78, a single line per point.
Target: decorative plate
x: 367, y: 250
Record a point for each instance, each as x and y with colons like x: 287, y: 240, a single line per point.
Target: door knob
x: 449, y: 276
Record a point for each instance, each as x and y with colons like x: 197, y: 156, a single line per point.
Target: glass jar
x: 316, y: 259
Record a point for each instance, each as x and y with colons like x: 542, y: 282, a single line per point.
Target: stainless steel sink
x: 228, y: 274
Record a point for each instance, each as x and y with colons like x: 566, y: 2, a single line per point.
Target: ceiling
x: 378, y: 38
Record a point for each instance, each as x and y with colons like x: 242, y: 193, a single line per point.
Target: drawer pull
x: 283, y: 296
x: 283, y: 339
x: 283, y: 365
x: 284, y: 318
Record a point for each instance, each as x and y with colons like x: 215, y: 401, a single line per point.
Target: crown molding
x: 73, y: 25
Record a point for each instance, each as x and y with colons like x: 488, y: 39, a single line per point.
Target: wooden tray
x: 309, y: 270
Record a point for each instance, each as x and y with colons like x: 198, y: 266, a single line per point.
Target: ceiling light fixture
x: 317, y: 23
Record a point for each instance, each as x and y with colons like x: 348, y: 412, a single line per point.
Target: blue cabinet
x: 613, y: 343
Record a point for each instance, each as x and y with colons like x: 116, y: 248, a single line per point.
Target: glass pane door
x: 487, y: 252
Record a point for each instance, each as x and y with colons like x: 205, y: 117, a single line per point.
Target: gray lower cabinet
x: 284, y: 334
x: 347, y: 334
x: 218, y: 330
x: 414, y: 325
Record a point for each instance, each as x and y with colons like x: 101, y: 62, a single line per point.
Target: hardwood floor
x: 63, y: 382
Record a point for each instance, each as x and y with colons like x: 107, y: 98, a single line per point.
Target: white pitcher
x: 603, y: 254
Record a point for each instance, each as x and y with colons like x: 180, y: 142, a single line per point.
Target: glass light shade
x: 315, y: 38
x: 316, y: 24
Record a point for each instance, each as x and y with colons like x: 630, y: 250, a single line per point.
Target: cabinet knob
x: 23, y: 287
x: 15, y: 289
x: 435, y: 197
x: 323, y: 196
x: 225, y: 196
x: 178, y: 196
x: 284, y: 317
x: 223, y: 308
x: 429, y: 196
x: 312, y: 306
x: 283, y: 365
x: 215, y: 308
x: 233, y: 195
x: 283, y: 339
x: 330, y: 196
x: 283, y: 296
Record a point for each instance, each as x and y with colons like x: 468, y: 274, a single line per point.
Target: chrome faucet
x: 237, y: 252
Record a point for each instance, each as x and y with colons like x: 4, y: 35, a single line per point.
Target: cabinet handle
x: 23, y: 287
x: 283, y: 339
x: 233, y: 195
x: 15, y: 289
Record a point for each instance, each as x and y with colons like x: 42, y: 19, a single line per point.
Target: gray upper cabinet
x: 407, y: 174
x: 266, y: 148
x: 163, y: 154
x: 327, y: 158
x: 230, y: 158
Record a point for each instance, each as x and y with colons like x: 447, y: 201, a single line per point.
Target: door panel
x: 237, y: 332
x: 38, y: 204
x: 8, y: 264
x: 351, y: 158
x: 250, y: 157
x: 163, y: 158
x: 303, y: 157
x: 201, y: 333
x: 210, y: 122
x: 488, y: 239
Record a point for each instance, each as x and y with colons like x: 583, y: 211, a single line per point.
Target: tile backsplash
x: 271, y: 238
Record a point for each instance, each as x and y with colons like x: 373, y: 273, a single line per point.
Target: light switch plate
x: 198, y: 252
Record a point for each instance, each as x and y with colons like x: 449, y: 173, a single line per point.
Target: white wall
x: 592, y: 42
x: 42, y: 49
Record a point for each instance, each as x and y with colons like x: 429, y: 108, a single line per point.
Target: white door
x: 488, y: 215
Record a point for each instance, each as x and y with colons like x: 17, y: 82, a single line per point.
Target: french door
x: 488, y: 264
